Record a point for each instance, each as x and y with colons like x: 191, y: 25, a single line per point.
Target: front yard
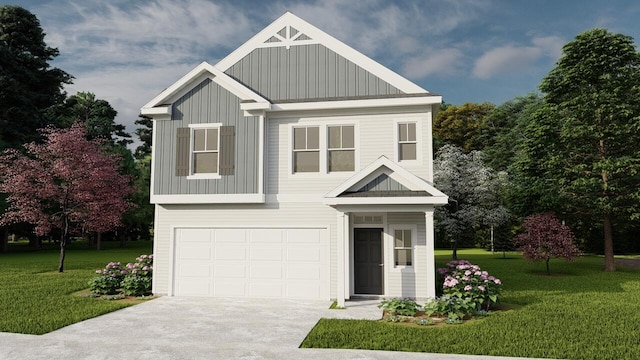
x: 579, y: 312
x: 36, y: 299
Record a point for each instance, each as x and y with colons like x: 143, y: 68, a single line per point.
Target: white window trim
x: 392, y: 246
x: 191, y: 175
x: 419, y: 141
x: 294, y: 150
x: 324, y: 149
x: 329, y: 149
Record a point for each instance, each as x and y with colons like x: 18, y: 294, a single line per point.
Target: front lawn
x: 579, y: 312
x: 36, y: 299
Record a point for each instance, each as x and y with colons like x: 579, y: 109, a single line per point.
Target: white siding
x: 375, y: 136
x: 411, y: 281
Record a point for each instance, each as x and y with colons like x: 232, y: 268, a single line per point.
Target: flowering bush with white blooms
x: 465, y: 280
x: 134, y: 278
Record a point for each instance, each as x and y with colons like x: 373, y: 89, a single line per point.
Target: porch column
x: 342, y: 234
x: 431, y: 261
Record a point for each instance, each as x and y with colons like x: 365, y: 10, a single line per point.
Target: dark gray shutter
x: 227, y: 150
x: 182, y: 151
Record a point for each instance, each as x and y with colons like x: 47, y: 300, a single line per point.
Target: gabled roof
x: 403, y: 187
x: 158, y: 105
x: 290, y: 30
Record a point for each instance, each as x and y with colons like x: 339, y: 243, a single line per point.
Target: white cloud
x: 436, y: 62
x: 505, y: 59
x: 126, y: 53
x: 550, y: 45
x: 386, y: 29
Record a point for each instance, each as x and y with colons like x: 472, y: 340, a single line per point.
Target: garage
x: 251, y: 262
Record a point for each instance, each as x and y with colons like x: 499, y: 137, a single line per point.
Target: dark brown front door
x: 367, y: 254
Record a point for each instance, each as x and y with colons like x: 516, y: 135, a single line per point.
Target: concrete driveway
x: 200, y: 328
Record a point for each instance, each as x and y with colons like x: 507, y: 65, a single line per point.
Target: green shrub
x: 136, y: 285
x: 399, y: 306
x: 108, y: 279
x: 104, y: 285
x: 452, y: 307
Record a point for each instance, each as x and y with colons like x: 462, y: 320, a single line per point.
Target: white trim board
x: 209, y: 199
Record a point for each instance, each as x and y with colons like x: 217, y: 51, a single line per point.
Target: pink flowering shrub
x: 108, y: 279
x: 134, y: 278
x: 138, y: 281
x: 464, y: 280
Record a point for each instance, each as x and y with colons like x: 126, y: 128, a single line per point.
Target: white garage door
x: 252, y: 262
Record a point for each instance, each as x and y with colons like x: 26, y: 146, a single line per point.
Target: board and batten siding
x: 242, y: 216
x: 207, y: 102
x: 306, y: 72
x: 374, y: 137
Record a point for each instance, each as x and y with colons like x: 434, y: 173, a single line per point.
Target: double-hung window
x: 407, y: 141
x: 402, y: 247
x: 306, y: 149
x: 205, y: 150
x: 341, y: 148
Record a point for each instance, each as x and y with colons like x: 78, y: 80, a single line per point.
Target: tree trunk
x: 454, y: 256
x: 609, y: 262
x: 548, y: 271
x: 63, y: 249
x: 4, y: 238
x: 99, y: 241
x: 63, y: 244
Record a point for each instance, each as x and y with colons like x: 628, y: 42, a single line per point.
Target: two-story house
x: 296, y: 167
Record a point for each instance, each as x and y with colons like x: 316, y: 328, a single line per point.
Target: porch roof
x: 384, y: 182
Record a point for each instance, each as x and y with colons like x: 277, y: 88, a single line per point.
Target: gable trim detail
x: 317, y: 36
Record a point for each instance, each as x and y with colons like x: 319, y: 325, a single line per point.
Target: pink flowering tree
x: 67, y: 183
x: 545, y: 237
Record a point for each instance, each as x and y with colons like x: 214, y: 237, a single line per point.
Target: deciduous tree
x: 461, y: 125
x: 545, y: 237
x: 474, y: 189
x: 67, y: 183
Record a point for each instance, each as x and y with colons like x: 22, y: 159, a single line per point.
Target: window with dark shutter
x: 227, y: 150
x: 182, y: 151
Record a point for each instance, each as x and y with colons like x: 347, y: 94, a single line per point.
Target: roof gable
x: 383, y: 179
x: 161, y: 103
x: 290, y: 31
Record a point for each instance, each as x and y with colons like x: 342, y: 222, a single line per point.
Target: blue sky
x: 127, y: 51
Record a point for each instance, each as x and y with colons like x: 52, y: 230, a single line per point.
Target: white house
x: 296, y: 167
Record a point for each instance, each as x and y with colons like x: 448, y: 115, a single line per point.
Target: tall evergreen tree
x: 593, y: 103
x: 28, y: 83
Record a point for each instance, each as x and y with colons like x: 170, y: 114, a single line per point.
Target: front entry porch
x: 393, y: 257
x: 385, y: 236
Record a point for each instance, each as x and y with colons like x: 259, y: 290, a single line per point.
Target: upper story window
x: 205, y: 151
x: 407, y: 141
x: 341, y: 148
x: 306, y: 149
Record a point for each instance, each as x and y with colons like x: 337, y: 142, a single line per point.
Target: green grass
x: 580, y: 312
x: 36, y: 299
